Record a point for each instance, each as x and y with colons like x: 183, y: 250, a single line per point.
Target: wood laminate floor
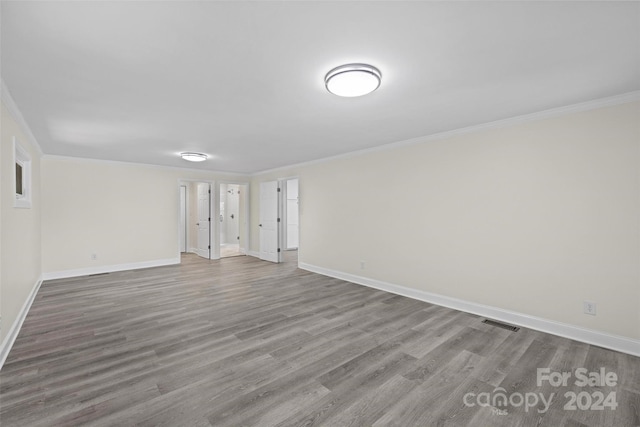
x: 242, y: 342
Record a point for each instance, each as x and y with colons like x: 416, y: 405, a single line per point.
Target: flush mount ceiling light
x: 194, y: 157
x: 352, y: 80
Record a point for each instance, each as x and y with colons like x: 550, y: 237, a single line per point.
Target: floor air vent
x: 501, y: 325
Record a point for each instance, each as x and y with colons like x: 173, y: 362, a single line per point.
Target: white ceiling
x: 243, y: 81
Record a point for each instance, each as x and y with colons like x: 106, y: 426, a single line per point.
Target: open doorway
x: 183, y: 231
x: 217, y: 218
x: 195, y: 220
x: 278, y: 220
x: 232, y: 220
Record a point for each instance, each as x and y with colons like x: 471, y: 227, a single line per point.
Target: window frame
x: 23, y: 158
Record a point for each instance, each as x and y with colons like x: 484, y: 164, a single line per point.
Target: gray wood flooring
x: 241, y: 342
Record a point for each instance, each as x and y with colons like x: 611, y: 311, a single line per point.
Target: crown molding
x: 13, y: 109
x: 497, y: 124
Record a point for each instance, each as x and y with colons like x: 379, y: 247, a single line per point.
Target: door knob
x: 259, y: 225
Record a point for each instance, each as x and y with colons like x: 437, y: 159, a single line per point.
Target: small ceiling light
x: 352, y: 80
x: 194, y: 157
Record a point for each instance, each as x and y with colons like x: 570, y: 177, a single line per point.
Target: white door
x: 204, y: 221
x: 233, y: 202
x: 222, y: 218
x: 269, y: 221
x: 223, y: 222
x: 292, y: 214
x: 183, y: 218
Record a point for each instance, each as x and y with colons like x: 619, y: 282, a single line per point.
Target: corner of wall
x: 21, y: 238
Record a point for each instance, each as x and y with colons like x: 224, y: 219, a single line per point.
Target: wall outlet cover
x: 589, y: 308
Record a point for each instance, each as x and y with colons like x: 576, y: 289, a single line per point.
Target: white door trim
x: 203, y: 235
x: 245, y: 215
x: 183, y: 218
x: 191, y: 247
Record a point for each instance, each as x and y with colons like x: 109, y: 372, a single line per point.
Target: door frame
x: 187, y: 182
x: 184, y: 210
x: 245, y: 215
x: 203, y: 189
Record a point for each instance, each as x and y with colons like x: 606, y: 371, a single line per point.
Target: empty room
x: 320, y: 213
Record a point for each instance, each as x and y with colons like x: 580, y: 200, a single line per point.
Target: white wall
x: 19, y: 228
x: 124, y: 213
x: 533, y: 217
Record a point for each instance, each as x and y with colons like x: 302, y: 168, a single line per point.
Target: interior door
x: 204, y: 221
x: 183, y: 218
x: 233, y: 214
x: 221, y: 219
x: 269, y: 221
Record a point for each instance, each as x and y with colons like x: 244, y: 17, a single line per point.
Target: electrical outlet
x: 589, y: 307
x: 362, y: 265
x: 94, y: 257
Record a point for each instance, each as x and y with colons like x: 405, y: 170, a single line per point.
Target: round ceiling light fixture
x: 194, y: 157
x: 353, y: 80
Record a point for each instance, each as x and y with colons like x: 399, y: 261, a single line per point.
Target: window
x: 19, y: 188
x: 23, y: 176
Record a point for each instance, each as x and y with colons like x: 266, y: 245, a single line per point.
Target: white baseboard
x: 108, y: 268
x: 11, y: 336
x: 254, y: 254
x: 613, y: 342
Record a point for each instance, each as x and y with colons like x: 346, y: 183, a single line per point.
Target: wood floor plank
x: 421, y: 406
x: 371, y: 404
x: 343, y: 394
x: 242, y: 342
